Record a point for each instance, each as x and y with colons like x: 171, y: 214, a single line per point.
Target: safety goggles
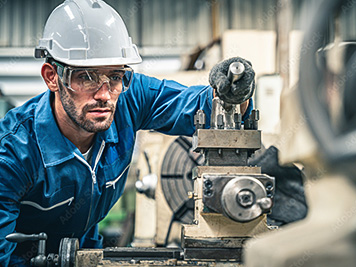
x: 90, y: 80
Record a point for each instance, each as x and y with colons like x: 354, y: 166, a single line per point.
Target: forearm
x: 243, y: 106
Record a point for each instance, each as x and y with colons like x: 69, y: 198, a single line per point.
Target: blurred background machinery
x: 321, y: 105
x: 159, y: 214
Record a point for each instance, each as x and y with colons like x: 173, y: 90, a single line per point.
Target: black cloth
x: 289, y: 204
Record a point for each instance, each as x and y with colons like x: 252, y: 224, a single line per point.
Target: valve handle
x: 19, y: 237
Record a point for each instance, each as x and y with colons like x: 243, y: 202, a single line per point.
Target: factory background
x: 164, y: 30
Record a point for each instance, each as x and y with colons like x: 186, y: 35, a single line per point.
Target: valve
x: 65, y: 258
x: 40, y: 259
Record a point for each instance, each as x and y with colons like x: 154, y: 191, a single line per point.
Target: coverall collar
x: 55, y: 148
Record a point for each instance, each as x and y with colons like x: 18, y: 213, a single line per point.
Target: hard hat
x: 87, y: 33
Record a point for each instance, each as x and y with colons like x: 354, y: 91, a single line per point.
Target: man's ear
x: 49, y: 75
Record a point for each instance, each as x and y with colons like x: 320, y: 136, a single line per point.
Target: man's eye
x: 116, y: 77
x: 84, y: 77
x: 87, y: 76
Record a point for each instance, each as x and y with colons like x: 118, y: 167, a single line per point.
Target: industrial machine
x: 230, y: 199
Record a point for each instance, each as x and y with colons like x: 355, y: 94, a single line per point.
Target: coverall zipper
x: 38, y: 206
x: 93, y: 176
x: 112, y: 183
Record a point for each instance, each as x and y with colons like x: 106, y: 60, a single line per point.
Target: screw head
x: 208, y: 184
x: 269, y: 186
x: 208, y: 192
x: 245, y: 198
x: 265, y: 203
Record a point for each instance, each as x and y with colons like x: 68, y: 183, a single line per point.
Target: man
x: 65, y: 154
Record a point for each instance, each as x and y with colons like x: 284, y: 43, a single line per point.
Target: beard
x: 79, y: 117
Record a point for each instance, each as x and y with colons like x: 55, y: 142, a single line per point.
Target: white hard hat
x: 87, y: 33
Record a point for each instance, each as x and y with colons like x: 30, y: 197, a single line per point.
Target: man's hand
x: 236, y: 92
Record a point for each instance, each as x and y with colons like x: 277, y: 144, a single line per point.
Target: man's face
x: 91, y: 111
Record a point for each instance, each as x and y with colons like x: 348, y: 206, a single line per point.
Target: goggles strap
x: 60, y: 69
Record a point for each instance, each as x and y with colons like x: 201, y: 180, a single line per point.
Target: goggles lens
x: 90, y: 80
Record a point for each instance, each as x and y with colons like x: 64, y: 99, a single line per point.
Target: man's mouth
x: 99, y: 112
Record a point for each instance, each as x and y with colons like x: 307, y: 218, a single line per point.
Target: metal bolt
x: 237, y: 120
x: 245, y: 198
x: 220, y: 121
x: 269, y: 186
x: 208, y: 192
x: 255, y: 116
x: 265, y: 203
x: 199, y: 119
x: 208, y: 184
x: 192, y: 194
x: 181, y: 255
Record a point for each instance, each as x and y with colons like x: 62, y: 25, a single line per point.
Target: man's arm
x: 12, y: 189
x: 166, y: 106
x: 169, y: 107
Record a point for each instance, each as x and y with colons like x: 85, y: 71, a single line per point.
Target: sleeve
x: 12, y: 189
x: 166, y: 106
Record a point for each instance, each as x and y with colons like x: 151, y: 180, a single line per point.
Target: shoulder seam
x: 12, y: 166
x: 16, y: 127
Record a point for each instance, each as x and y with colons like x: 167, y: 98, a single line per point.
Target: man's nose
x: 103, y: 92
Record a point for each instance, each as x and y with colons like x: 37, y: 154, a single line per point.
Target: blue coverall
x: 47, y: 186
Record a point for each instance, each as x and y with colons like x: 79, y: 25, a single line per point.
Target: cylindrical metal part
x: 220, y: 121
x: 246, y: 198
x: 215, y: 111
x: 229, y: 116
x: 68, y: 248
x: 42, y: 247
x: 223, y: 115
x: 241, y: 199
x: 237, y: 120
x: 247, y: 124
x: 265, y: 203
x: 200, y: 119
x: 255, y: 116
x: 236, y: 71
